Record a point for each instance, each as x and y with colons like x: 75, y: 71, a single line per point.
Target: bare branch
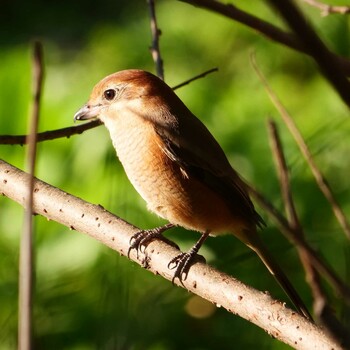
x: 328, y: 9
x: 49, y: 135
x: 203, y: 280
x: 79, y: 129
x: 155, y: 49
x: 202, y: 75
x: 316, y: 48
x: 265, y: 28
x: 320, y: 179
x: 283, y: 175
x: 322, y: 311
x: 339, y: 286
x: 26, y: 264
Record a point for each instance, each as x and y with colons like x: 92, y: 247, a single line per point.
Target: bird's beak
x: 88, y: 112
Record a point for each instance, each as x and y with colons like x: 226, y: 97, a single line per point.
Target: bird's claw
x: 182, y: 264
x: 141, y: 239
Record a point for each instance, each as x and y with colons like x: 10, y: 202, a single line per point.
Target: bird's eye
x: 109, y: 94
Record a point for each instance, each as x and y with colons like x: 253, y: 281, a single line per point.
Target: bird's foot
x: 182, y: 264
x: 141, y: 239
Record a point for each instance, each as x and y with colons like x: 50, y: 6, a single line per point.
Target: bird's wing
x: 196, y: 151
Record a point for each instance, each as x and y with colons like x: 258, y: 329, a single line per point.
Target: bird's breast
x: 168, y: 190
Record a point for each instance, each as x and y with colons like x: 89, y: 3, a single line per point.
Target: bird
x: 178, y: 168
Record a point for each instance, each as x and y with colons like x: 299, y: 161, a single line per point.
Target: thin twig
x: 337, y: 284
x: 283, y: 175
x: 292, y: 216
x: 26, y: 267
x: 325, y: 313
x: 316, y: 48
x: 340, y: 287
x: 49, y: 135
x: 328, y: 9
x: 265, y: 28
x: 320, y: 179
x: 195, y: 78
x: 155, y: 49
x: 322, y: 311
x: 79, y: 129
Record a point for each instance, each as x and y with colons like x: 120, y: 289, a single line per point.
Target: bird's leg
x: 143, y: 238
x: 182, y: 263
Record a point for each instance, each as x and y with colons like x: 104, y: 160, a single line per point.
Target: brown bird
x: 177, y: 166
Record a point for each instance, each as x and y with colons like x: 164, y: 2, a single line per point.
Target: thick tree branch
x: 223, y: 290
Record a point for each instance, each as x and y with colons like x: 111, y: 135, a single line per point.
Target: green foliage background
x: 87, y: 296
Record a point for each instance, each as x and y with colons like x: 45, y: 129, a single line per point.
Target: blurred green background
x: 87, y: 296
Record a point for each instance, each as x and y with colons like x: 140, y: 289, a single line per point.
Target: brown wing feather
x: 203, y: 158
x: 188, y: 142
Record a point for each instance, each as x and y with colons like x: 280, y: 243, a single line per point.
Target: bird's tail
x: 260, y: 249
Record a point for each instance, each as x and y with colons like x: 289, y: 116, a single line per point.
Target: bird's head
x: 132, y: 90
